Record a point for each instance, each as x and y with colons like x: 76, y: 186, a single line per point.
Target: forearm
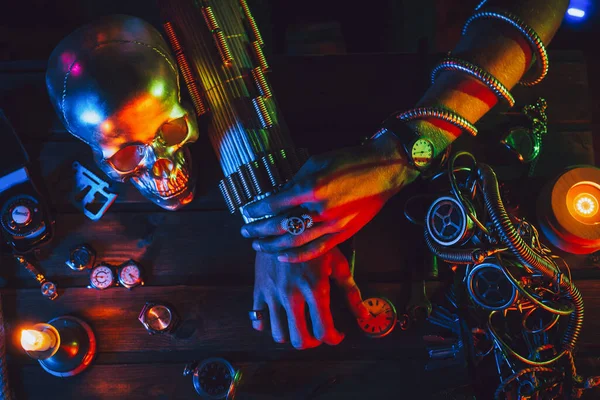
x: 497, y: 48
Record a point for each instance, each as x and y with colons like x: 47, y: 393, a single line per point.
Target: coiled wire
x: 439, y: 113
x: 535, y: 42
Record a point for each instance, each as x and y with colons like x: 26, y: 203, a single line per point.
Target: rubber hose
x: 454, y: 256
x: 511, y: 239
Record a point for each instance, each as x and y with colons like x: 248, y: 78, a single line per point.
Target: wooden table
x: 195, y: 258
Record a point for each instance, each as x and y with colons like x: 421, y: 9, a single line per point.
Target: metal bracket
x: 90, y: 194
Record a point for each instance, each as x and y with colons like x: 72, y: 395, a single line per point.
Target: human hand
x: 341, y: 191
x: 281, y: 287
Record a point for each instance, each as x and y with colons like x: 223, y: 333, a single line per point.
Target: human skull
x: 115, y: 86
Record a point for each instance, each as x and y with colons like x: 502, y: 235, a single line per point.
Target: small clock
x: 130, y: 274
x: 382, y: 320
x: 214, y: 378
x: 421, y: 153
x: 102, y: 277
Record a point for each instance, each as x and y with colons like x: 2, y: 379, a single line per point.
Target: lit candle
x: 33, y: 340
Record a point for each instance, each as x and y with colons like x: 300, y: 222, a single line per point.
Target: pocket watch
x: 158, y: 318
x: 214, y: 378
x: 129, y: 274
x: 102, y: 276
x: 382, y: 320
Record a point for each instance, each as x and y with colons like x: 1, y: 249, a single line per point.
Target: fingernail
x: 256, y: 246
x: 245, y: 232
x: 283, y: 258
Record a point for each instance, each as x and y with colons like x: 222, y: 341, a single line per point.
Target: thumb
x: 343, y: 278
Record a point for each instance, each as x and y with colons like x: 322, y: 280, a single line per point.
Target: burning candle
x: 34, y: 340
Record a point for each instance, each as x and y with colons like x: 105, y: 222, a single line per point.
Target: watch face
x: 422, y: 152
x: 158, y: 317
x: 382, y: 320
x: 48, y: 289
x: 214, y: 378
x: 102, y: 277
x: 130, y: 275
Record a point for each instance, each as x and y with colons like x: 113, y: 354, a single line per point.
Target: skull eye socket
x: 128, y: 158
x: 174, y: 132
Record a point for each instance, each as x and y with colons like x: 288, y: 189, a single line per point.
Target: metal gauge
x: 382, y: 320
x: 215, y: 378
x: 130, y: 274
x: 422, y: 152
x: 49, y: 290
x: 102, y: 277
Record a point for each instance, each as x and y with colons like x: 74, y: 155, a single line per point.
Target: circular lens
x: 583, y: 202
x: 585, y: 205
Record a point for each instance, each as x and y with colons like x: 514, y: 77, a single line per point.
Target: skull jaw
x: 171, y: 203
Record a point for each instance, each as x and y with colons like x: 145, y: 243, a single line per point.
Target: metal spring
x: 209, y: 17
x: 251, y: 22
x: 262, y: 112
x: 253, y: 169
x: 227, y: 196
x: 223, y: 47
x: 268, y: 162
x: 439, y: 113
x: 235, y: 189
x: 184, y: 66
x: 535, y: 42
x: 260, y: 56
x: 246, y: 181
x: 283, y: 163
x: 261, y: 82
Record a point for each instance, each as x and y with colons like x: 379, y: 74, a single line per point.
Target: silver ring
x: 256, y: 315
x: 296, y: 225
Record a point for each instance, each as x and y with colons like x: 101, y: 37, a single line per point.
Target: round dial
x: 422, y: 152
x: 48, y: 289
x: 214, y: 378
x: 130, y: 275
x: 158, y: 317
x: 102, y: 277
x: 382, y: 320
x: 21, y: 214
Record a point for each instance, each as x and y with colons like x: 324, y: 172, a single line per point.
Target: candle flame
x: 32, y: 340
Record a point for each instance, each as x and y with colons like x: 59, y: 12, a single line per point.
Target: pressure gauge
x: 102, y: 277
x: 421, y: 152
x: 214, y: 378
x: 130, y: 274
x: 382, y: 320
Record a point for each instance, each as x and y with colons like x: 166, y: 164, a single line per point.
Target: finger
x: 268, y: 226
x: 275, y: 244
x: 275, y: 204
x: 277, y: 327
x: 311, y: 250
x: 319, y: 304
x: 295, y: 307
x: 259, y: 305
x: 343, y: 278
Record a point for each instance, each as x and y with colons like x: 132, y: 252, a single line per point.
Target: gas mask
x: 114, y: 85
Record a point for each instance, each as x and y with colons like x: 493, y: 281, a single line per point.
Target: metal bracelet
x: 534, y: 40
x: 457, y: 64
x: 439, y: 113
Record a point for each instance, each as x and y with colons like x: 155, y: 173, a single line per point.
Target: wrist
x: 397, y: 171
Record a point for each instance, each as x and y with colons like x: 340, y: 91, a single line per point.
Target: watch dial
x: 48, y: 289
x: 422, y: 152
x: 130, y: 275
x: 383, y: 317
x: 102, y: 277
x: 158, y: 317
x: 215, y: 378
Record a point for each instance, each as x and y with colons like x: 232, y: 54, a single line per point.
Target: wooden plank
x: 215, y: 321
x: 273, y: 380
